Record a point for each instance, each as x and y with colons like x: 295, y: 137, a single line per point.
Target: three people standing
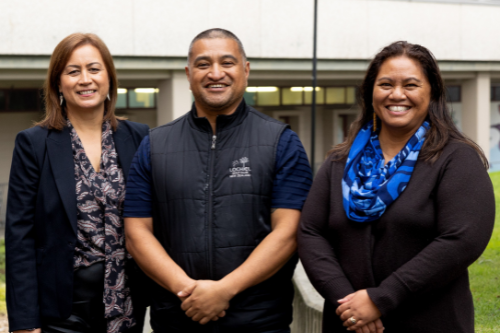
x: 214, y: 199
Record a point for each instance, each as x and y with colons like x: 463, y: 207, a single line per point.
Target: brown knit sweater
x: 413, y: 260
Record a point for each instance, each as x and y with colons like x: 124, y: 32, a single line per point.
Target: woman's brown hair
x: 442, y: 129
x: 55, y: 115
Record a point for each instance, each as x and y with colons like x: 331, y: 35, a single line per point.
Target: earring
x: 374, y: 121
x: 108, y: 97
x: 61, y: 99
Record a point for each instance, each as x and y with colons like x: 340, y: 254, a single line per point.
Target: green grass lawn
x: 485, y: 275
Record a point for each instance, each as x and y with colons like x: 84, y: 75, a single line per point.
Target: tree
x: 244, y: 160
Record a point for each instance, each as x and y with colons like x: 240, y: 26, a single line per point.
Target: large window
x: 12, y: 100
x: 136, y: 98
x: 278, y: 96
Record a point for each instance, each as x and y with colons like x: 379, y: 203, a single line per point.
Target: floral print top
x: 101, y: 238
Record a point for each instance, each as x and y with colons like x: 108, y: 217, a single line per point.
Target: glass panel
x: 142, y: 98
x: 453, y: 93
x: 320, y: 95
x: 292, y: 96
x: 23, y: 100
x: 121, y: 101
x: 250, y: 98
x: 2, y: 100
x: 351, y: 95
x: 268, y: 96
x: 335, y: 95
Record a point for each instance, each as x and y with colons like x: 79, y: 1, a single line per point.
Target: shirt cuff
x: 389, y: 295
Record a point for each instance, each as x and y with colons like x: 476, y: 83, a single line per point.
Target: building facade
x: 149, y: 42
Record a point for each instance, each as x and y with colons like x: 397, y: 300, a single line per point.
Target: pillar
x: 174, y: 98
x: 476, y: 110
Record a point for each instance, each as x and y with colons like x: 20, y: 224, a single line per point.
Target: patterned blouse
x: 100, y: 197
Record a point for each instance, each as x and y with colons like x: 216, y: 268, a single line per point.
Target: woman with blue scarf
x: 398, y: 211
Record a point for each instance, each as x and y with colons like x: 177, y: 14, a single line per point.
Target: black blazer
x: 41, y: 224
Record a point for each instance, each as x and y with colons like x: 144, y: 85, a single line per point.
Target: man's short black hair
x: 217, y: 33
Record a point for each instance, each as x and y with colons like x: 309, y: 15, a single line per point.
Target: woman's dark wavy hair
x: 442, y: 128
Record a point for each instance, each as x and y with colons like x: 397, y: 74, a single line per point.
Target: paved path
x: 4, y: 324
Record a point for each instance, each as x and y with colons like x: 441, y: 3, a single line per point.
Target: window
x: 136, y: 98
x: 292, y: 96
x: 3, y: 100
x: 265, y: 96
x: 121, y: 101
x: 350, y: 95
x: 495, y: 93
x: 335, y: 95
x: 320, y: 95
x: 12, y: 100
x: 279, y: 96
x: 453, y: 94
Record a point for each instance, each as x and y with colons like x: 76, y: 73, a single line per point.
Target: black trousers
x: 87, y: 314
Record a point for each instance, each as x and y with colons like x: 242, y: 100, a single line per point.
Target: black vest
x: 212, y: 207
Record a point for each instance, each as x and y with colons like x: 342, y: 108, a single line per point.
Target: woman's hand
x: 360, y: 307
x: 37, y: 330
x: 372, y: 327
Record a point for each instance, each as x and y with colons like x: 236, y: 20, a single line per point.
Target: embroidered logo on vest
x: 239, y: 169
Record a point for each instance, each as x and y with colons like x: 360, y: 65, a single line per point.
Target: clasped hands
x: 359, y: 306
x: 205, y: 300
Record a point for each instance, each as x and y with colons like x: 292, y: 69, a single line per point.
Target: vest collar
x: 224, y: 122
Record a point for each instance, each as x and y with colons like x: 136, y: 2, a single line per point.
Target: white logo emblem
x: 239, y: 169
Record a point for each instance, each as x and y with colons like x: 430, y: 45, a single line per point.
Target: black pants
x: 87, y: 314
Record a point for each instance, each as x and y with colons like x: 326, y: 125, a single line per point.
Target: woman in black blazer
x: 65, y: 245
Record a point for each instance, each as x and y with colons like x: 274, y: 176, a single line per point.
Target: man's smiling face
x: 217, y: 74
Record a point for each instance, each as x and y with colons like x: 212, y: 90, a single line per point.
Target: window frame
x: 136, y: 108
x: 322, y: 103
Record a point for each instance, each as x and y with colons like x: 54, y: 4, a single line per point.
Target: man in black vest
x: 213, y: 204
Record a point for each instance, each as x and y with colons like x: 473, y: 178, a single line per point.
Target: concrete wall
x: 347, y: 29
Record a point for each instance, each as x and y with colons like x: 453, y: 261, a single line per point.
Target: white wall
x: 348, y: 29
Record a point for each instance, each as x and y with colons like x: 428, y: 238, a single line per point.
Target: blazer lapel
x: 63, y: 168
x: 124, y: 148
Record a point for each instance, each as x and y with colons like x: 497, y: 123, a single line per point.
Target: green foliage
x: 485, y: 275
x: 2, y: 260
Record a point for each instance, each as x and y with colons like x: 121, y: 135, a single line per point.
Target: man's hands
x: 359, y: 306
x: 205, y: 300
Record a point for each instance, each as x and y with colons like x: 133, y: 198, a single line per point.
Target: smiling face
x: 217, y: 74
x: 401, y: 95
x: 84, y: 81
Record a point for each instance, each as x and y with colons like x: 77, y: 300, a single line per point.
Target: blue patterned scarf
x: 369, y: 186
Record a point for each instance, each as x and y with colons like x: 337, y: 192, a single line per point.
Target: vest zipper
x: 210, y: 205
